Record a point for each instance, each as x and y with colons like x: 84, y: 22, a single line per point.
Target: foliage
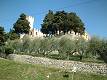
x: 2, y: 50
x: 98, y: 48
x: 8, y: 50
x: 62, y: 21
x: 2, y: 36
x: 12, y: 35
x: 102, y: 51
x: 81, y: 47
x: 94, y: 45
x: 65, y: 47
x: 21, y: 25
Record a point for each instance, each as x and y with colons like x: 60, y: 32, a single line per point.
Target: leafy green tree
x: 97, y: 48
x: 2, y: 36
x: 21, y: 25
x: 102, y: 51
x: 60, y: 17
x: 8, y: 51
x: 81, y: 47
x: 12, y: 35
x: 35, y: 46
x: 62, y: 21
x: 47, y: 26
x: 66, y: 47
x: 93, y: 46
x: 26, y: 44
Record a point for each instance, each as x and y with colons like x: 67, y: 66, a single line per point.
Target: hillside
x: 10, y: 70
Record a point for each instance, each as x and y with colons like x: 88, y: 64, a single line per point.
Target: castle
x: 33, y: 32
x: 37, y: 33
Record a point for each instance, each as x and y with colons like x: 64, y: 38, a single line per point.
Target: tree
x: 80, y: 47
x: 94, y: 45
x: 66, y: 47
x: 102, y: 51
x: 2, y: 36
x: 21, y: 25
x: 48, y: 21
x: 8, y: 51
x: 98, y: 48
x: 12, y: 35
x: 62, y: 21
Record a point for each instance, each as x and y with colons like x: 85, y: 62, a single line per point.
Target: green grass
x: 10, y: 70
x: 92, y: 60
x: 75, y: 58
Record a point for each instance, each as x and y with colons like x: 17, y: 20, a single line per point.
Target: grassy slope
x: 10, y: 70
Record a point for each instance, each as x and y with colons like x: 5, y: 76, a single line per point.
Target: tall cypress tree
x: 2, y: 36
x: 22, y: 25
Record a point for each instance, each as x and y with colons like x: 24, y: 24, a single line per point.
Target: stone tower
x: 31, y: 21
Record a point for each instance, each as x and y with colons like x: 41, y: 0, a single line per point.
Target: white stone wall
x: 68, y: 65
x: 31, y: 21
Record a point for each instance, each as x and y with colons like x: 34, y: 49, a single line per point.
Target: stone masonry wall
x: 69, y: 65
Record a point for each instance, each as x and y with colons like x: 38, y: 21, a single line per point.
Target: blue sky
x: 92, y: 12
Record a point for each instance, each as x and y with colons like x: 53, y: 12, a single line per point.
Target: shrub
x: 97, y: 48
x: 8, y: 51
x: 65, y: 47
x: 93, y: 46
x: 2, y: 51
x: 102, y: 51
